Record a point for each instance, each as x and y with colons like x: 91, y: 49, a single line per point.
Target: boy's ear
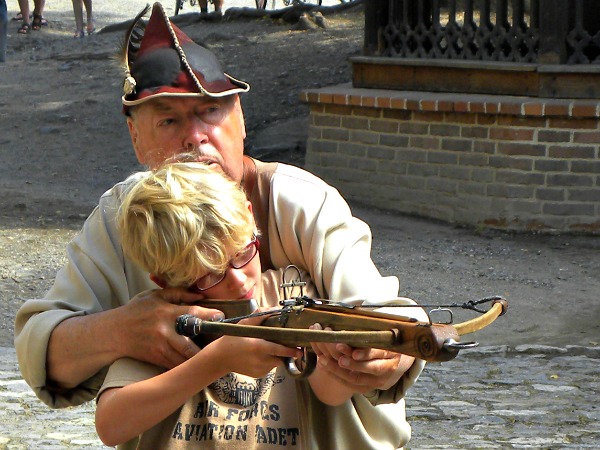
x: 161, y: 283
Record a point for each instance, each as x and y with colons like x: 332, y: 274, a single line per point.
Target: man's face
x: 210, y: 129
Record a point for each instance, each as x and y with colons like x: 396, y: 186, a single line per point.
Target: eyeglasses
x: 241, y: 259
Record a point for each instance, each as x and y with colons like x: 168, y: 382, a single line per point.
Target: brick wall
x: 513, y: 163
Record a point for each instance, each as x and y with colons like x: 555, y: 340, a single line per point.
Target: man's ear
x: 161, y: 283
x: 133, y: 133
x: 240, y: 111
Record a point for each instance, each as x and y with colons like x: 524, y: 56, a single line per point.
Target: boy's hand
x: 251, y: 356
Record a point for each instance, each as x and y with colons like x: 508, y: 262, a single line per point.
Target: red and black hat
x: 161, y: 60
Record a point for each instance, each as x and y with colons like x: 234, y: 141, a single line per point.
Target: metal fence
x: 527, y: 31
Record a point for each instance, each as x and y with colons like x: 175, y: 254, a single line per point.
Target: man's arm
x: 311, y: 226
x: 335, y: 248
x: 81, y: 346
x: 86, y: 320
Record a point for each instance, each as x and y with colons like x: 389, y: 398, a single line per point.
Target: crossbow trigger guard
x: 309, y: 363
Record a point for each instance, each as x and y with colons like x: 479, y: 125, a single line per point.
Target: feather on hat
x: 161, y: 60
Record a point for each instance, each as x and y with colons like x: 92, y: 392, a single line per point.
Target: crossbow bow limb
x: 356, y: 326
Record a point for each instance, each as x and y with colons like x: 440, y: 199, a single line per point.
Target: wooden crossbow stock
x: 356, y: 326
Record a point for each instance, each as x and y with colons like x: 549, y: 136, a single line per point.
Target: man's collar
x: 249, y: 176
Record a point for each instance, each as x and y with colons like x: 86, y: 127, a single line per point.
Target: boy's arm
x: 137, y: 407
x: 326, y: 386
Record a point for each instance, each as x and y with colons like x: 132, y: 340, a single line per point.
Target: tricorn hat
x: 161, y: 60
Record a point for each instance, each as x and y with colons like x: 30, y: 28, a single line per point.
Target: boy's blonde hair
x: 184, y: 220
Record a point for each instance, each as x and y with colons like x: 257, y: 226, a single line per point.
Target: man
x: 180, y: 105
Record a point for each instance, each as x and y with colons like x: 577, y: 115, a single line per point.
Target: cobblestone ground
x: 528, y: 397
x: 489, y: 398
x: 27, y: 424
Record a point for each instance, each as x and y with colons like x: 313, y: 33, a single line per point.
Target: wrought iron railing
x: 523, y: 31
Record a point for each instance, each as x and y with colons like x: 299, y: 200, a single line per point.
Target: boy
x: 191, y: 227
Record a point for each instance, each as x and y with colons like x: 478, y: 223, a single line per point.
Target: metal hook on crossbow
x: 285, y: 284
x: 448, y: 321
x: 308, y: 362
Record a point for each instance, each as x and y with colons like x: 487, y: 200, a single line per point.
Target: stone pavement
x: 488, y: 398
x: 499, y: 398
x: 26, y: 423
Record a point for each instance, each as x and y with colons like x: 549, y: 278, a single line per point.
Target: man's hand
x: 144, y: 329
x: 361, y: 369
x: 150, y: 332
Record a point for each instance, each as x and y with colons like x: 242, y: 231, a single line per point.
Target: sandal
x: 91, y: 28
x: 18, y: 17
x: 25, y: 29
x: 37, y: 22
x: 78, y: 34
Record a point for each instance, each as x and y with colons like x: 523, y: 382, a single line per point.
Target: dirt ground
x: 63, y: 142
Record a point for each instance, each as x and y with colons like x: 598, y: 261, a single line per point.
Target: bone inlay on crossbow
x: 356, y: 326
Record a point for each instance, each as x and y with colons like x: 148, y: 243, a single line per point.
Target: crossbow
x: 356, y: 326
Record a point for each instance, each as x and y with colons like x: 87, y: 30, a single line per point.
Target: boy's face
x: 238, y: 284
